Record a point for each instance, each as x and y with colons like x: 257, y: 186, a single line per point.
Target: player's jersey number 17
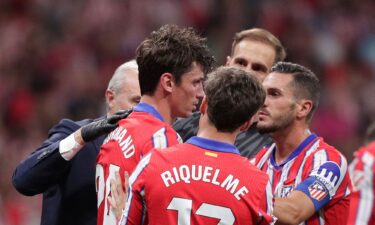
x: 184, y: 211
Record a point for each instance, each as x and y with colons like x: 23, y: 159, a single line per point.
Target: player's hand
x: 119, y: 193
x: 97, y: 128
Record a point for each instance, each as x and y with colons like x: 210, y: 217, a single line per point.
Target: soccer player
x: 63, y: 167
x: 362, y: 171
x: 172, y: 64
x: 205, y: 180
x: 309, y: 178
x: 253, y: 50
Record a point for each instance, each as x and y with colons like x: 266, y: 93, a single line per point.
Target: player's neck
x: 210, y: 132
x: 287, y: 140
x: 161, y: 105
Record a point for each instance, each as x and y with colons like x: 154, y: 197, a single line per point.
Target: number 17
x: 184, y: 207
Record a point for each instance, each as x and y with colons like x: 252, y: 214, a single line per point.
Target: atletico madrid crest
x: 317, y: 190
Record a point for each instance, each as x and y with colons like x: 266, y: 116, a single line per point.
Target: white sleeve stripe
x: 319, y: 158
x: 365, y: 205
x: 159, y: 139
x: 343, y: 169
x: 141, y: 165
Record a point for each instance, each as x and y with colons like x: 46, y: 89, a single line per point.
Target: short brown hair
x: 264, y: 36
x: 170, y: 49
x: 306, y: 84
x: 233, y: 97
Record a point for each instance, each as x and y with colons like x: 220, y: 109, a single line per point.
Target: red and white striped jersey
x: 123, y: 148
x: 200, y: 182
x: 323, y: 172
x: 362, y: 172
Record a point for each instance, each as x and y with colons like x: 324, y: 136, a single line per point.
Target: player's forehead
x: 130, y: 82
x: 255, y: 52
x: 276, y: 80
x: 194, y: 73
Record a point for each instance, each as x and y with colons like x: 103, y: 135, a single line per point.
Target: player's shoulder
x: 368, y: 150
x: 142, y: 119
x: 262, y: 154
x: 177, y: 149
x: 322, y: 147
x: 321, y: 153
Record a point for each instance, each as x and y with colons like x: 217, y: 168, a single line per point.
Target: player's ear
x: 203, y: 107
x: 228, y: 60
x: 247, y: 124
x: 167, y: 82
x: 304, y: 107
x: 109, y: 98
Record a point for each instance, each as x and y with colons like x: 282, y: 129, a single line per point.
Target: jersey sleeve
x: 162, y: 138
x: 362, y: 174
x: 135, y: 209
x: 327, y: 180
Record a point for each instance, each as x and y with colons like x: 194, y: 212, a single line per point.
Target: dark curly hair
x: 170, y: 49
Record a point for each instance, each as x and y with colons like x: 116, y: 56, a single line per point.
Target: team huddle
x: 202, y: 145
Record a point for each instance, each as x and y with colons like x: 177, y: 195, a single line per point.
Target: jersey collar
x: 309, y: 140
x: 213, y: 145
x: 144, y: 107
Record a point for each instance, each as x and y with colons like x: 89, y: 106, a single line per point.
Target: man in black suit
x: 253, y: 50
x: 63, y: 167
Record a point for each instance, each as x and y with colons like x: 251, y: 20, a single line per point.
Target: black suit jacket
x: 68, y: 187
x: 248, y: 142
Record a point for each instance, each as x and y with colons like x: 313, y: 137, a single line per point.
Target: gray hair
x: 116, y: 81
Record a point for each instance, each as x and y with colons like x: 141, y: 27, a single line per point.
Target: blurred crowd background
x: 56, y: 57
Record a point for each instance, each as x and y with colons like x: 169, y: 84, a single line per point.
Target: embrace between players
x: 255, y: 106
x: 205, y: 180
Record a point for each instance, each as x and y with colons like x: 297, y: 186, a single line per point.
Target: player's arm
x: 311, y: 194
x: 72, y: 144
x: 293, y: 209
x: 45, y: 165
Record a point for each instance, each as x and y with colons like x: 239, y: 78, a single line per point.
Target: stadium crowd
x: 57, y: 56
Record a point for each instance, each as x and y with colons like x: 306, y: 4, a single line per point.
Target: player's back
x: 188, y: 184
x: 123, y: 148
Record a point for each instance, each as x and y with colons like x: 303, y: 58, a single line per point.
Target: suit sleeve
x: 45, y: 165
